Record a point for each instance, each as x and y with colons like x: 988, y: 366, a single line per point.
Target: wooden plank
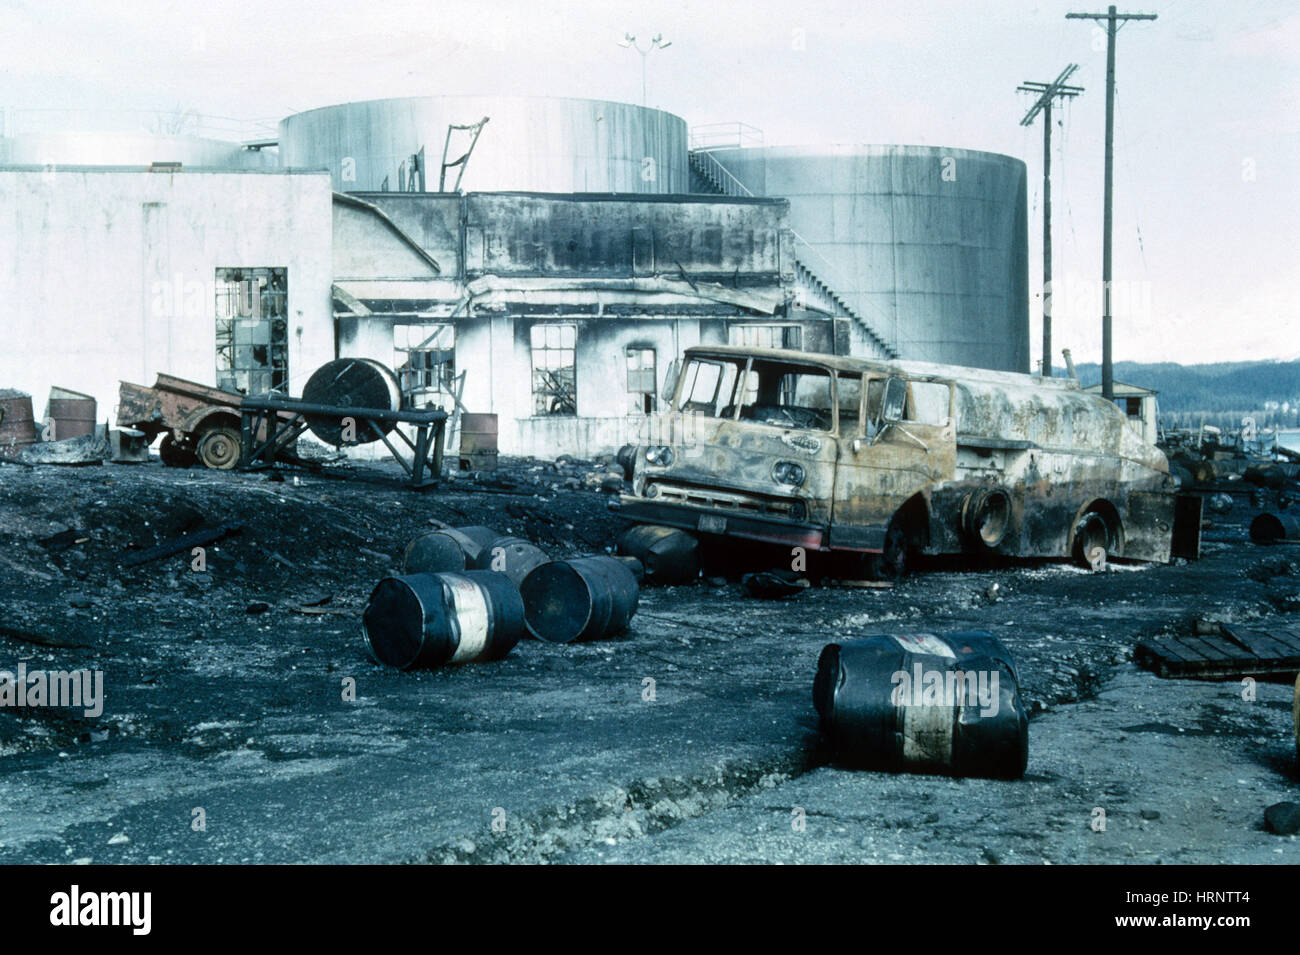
x: 1287, y: 636
x: 1261, y: 643
x: 1219, y: 650
x: 1240, y: 653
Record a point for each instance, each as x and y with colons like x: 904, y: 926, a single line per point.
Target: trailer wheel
x: 1093, y: 541
x: 175, y: 454
x: 219, y: 448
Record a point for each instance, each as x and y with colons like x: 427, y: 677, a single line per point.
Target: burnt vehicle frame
x: 888, y: 459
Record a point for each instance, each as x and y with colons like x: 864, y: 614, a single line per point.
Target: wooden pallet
x: 1236, y: 652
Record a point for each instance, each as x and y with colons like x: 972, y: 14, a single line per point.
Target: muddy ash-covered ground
x: 226, y: 736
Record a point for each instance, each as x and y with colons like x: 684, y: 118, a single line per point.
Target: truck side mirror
x: 891, y: 408
x: 670, y: 380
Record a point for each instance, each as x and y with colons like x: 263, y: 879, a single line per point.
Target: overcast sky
x: 1207, y: 208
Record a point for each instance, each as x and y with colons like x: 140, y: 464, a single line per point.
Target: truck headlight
x: 788, y: 472
x: 660, y: 455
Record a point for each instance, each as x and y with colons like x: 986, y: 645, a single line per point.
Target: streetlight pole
x: 657, y: 42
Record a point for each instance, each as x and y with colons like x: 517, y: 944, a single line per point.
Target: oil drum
x: 1269, y: 528
x: 17, y: 426
x: 512, y: 556
x: 670, y: 555
x: 432, y: 620
x: 72, y: 413
x: 582, y: 599
x: 923, y: 703
x: 446, y: 549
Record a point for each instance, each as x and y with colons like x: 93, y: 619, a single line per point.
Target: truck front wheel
x: 175, y: 454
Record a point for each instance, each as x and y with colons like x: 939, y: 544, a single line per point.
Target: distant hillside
x: 1267, y: 390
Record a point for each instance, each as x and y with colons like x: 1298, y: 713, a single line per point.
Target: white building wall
x: 108, y: 273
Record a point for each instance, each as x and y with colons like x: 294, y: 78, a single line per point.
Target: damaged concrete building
x: 548, y: 269
x: 559, y: 313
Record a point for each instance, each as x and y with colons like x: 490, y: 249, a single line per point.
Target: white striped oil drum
x: 424, y: 621
x: 924, y: 703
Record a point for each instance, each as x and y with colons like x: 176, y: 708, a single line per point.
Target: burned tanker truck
x: 879, y: 461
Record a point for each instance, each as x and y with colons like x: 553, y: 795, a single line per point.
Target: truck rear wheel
x: 219, y: 449
x: 1093, y: 541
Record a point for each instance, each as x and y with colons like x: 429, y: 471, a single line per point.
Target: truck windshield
x: 772, y: 393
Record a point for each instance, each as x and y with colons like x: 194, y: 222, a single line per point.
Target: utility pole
x: 1047, y: 93
x: 1113, y: 20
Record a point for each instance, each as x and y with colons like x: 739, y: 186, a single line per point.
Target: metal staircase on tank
x: 816, y: 280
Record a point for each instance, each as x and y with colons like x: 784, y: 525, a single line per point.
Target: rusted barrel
x: 583, y: 599
x: 17, y: 424
x: 1269, y: 528
x: 352, y: 383
x: 670, y: 555
x: 432, y: 620
x: 512, y: 556
x: 72, y: 413
x: 446, y: 549
x: 924, y: 703
x: 478, y: 442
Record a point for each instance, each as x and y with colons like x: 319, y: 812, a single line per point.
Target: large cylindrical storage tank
x: 540, y: 144
x: 928, y: 244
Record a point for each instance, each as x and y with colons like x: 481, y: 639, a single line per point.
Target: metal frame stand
x: 262, y: 411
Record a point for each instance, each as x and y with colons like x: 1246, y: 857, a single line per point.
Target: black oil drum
x: 583, y: 599
x: 924, y: 703
x: 446, y: 549
x: 512, y: 556
x: 431, y: 620
x: 1270, y: 528
x: 670, y: 555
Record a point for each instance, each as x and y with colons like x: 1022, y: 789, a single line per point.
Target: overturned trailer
x: 887, y: 459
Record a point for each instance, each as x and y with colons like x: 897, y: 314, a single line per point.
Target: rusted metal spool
x: 478, y: 442
x: 924, y: 703
x: 352, y: 383
x: 670, y: 555
x: 1269, y: 528
x: 432, y: 620
x: 583, y: 599
x: 512, y: 556
x: 446, y: 549
x: 17, y: 424
x: 72, y: 413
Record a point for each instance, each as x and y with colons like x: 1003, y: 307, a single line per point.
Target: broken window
x: 252, y: 330
x: 766, y: 336
x: 555, y: 387
x: 927, y: 402
x: 772, y: 393
x: 788, y: 396
x: 707, y: 387
x: 848, y: 394
x: 425, y: 359
x: 641, y: 379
